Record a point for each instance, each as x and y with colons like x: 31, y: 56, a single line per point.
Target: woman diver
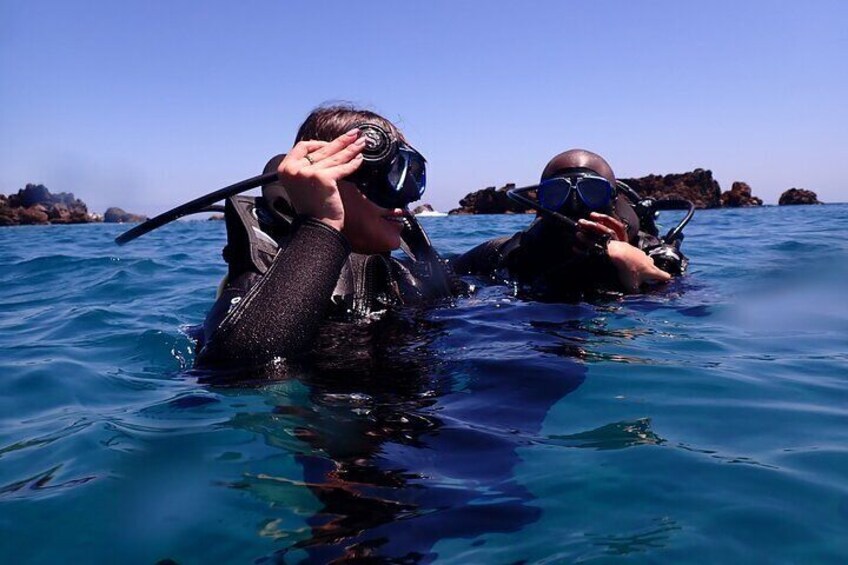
x: 317, y: 244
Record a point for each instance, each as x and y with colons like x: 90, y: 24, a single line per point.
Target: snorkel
x: 565, y: 196
x: 578, y: 182
x: 392, y: 175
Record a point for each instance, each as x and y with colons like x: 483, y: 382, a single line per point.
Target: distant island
x: 35, y: 204
x: 697, y: 186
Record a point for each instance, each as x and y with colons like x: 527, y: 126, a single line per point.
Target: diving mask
x: 594, y: 192
x: 393, y: 173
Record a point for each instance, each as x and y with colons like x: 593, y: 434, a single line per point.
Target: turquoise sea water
x: 707, y: 422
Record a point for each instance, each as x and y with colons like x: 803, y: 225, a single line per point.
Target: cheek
x: 365, y: 228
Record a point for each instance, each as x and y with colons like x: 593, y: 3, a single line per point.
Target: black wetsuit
x: 541, y: 261
x: 286, y: 279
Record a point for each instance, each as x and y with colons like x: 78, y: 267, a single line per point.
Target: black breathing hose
x: 202, y: 204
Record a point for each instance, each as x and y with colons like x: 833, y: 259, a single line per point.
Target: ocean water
x: 704, y: 422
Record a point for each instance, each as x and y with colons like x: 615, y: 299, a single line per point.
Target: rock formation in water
x: 739, y: 196
x: 491, y: 200
x: 698, y: 186
x: 118, y: 216
x: 34, y: 204
x: 798, y: 196
x: 422, y: 208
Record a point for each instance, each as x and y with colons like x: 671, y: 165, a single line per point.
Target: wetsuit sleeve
x: 484, y: 259
x: 279, y: 314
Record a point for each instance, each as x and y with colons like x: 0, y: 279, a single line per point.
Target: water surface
x: 705, y: 422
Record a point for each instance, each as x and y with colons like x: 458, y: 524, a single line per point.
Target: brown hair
x: 326, y: 123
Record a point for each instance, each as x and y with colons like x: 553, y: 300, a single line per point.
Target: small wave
x: 41, y: 485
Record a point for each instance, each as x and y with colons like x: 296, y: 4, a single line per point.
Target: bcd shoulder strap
x: 253, y: 236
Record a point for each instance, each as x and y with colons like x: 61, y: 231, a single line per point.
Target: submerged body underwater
x: 704, y: 421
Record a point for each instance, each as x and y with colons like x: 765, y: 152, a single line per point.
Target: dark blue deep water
x: 706, y: 422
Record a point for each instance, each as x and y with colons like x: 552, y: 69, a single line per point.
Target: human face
x: 369, y: 228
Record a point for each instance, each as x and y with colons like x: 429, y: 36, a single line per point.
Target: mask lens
x: 553, y: 193
x: 596, y: 193
x: 402, y: 183
x: 397, y: 172
x: 416, y: 174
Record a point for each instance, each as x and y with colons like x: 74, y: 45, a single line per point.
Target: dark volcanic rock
x: 698, y: 186
x: 491, y: 200
x: 34, y: 204
x: 798, y: 196
x: 739, y: 196
x: 422, y: 208
x: 32, y: 215
x: 118, y: 216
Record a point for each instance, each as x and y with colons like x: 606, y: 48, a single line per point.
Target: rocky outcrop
x: 491, y: 200
x: 698, y: 186
x: 422, y: 208
x: 34, y: 204
x: 795, y: 196
x: 739, y: 196
x: 118, y: 216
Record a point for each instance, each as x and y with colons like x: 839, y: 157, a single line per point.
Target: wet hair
x: 326, y: 123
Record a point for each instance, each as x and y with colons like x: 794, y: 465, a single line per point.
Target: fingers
x: 594, y: 228
x: 656, y: 275
x: 347, y: 169
x: 613, y: 223
x: 295, y: 160
x: 337, y: 145
x: 343, y: 157
x: 302, y: 148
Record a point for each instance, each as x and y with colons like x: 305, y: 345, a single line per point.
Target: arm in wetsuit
x: 543, y: 257
x: 260, y: 317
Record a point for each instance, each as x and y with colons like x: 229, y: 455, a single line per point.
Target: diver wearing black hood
x: 592, y: 234
x: 319, y: 249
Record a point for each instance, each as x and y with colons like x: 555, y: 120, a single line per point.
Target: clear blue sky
x: 145, y: 104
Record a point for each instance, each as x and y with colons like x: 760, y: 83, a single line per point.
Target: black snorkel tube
x: 646, y: 209
x: 599, y: 247
x: 202, y: 204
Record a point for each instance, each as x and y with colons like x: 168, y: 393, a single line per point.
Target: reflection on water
x: 625, y: 544
x: 702, y: 423
x: 406, y: 429
x: 400, y: 445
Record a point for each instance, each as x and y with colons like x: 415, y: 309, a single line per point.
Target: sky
x: 147, y: 104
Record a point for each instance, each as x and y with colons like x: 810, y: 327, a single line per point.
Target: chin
x: 376, y: 243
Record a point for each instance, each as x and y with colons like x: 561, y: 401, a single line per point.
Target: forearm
x: 279, y: 315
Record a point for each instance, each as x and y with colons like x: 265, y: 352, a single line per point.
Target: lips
x: 394, y: 216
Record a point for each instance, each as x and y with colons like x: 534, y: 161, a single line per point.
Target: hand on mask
x: 597, y: 228
x: 312, y: 170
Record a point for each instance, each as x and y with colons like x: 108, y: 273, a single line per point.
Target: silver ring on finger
x: 308, y: 158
